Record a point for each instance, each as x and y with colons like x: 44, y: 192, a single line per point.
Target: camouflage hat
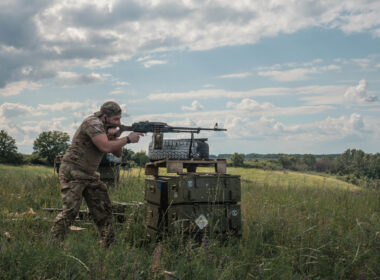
x: 109, y: 108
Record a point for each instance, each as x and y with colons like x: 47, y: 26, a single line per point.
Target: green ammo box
x: 189, y: 188
x: 156, y: 190
x: 154, y: 216
x: 152, y: 234
x: 200, y: 218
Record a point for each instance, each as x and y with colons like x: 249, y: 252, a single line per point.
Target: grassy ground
x: 295, y: 226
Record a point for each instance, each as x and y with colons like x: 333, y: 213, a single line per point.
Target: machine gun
x: 159, y: 128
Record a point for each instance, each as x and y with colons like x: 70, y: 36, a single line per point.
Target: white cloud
x: 362, y: 62
x: 250, y: 105
x: 360, y: 93
x: 277, y: 72
x: 330, y: 67
x: 15, y: 110
x: 263, y: 128
x: 216, y: 93
x: 338, y: 128
x: 116, y: 91
x: 36, y: 127
x: 260, y: 92
x: 61, y: 106
x: 144, y: 58
x: 120, y: 83
x: 297, y: 74
x: 150, y: 63
x: 236, y: 75
x: 43, y: 37
x: 365, y: 18
x: 245, y: 109
x: 17, y: 87
x: 330, y: 129
x: 195, y: 106
x: 71, y: 79
x: 211, y: 85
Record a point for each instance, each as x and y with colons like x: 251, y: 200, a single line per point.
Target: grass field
x: 295, y: 226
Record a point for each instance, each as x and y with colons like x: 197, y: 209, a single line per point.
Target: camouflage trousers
x: 75, y: 185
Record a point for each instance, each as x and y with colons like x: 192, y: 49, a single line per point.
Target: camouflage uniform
x: 78, y: 178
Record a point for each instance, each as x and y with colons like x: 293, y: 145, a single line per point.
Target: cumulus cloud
x: 71, y: 79
x: 15, y: 110
x: 250, y: 105
x: 260, y: 92
x: 195, y: 106
x: 120, y: 83
x: 116, y: 91
x: 330, y: 129
x: 216, y: 93
x: 17, y: 87
x: 352, y: 95
x: 61, y: 106
x: 235, y: 75
x: 298, y: 74
x: 360, y: 93
x: 150, y: 63
x: 211, y: 85
x: 263, y: 128
x: 290, y: 72
x: 42, y: 38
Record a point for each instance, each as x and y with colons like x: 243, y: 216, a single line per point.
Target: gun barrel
x: 160, y: 127
x: 189, y: 129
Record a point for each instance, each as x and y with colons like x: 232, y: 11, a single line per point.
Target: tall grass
x: 295, y: 226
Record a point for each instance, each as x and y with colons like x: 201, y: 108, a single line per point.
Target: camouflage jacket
x: 82, y: 152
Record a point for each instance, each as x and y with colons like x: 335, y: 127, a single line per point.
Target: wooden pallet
x: 177, y: 166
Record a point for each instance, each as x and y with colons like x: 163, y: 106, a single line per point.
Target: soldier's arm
x: 118, y: 153
x: 106, y: 146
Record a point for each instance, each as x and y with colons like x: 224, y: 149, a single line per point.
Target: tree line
x: 355, y: 165
x: 47, y: 146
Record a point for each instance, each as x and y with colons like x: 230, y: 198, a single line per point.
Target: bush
x: 237, y: 160
x: 34, y: 159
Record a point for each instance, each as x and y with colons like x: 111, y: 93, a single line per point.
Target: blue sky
x: 281, y: 76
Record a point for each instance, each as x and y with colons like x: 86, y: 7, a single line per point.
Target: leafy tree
x: 374, y: 166
x: 237, y: 159
x: 127, y: 158
x: 49, y: 144
x: 325, y: 164
x: 128, y: 154
x: 8, y: 149
x: 287, y: 161
x: 309, y: 160
x: 140, y: 158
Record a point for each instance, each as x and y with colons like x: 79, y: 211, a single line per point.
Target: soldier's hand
x: 135, y: 136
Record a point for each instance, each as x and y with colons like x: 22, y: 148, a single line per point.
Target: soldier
x: 78, y: 176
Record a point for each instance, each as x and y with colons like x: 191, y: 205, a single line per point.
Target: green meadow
x: 295, y: 226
